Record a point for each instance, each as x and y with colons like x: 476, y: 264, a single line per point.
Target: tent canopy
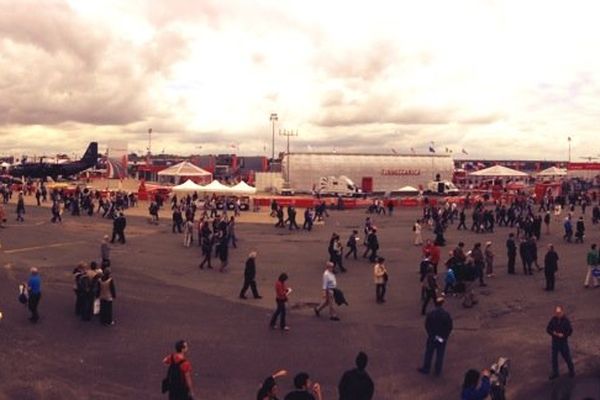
x: 215, y: 187
x: 499, y: 171
x: 407, y: 189
x: 187, y: 187
x: 184, y: 168
x: 552, y: 171
x: 243, y: 188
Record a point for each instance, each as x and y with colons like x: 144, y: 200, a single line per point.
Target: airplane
x: 54, y: 170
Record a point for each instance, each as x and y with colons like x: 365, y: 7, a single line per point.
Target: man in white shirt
x: 329, y: 284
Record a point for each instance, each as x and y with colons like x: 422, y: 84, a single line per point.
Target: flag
x: 464, y: 151
x: 412, y: 150
x: 233, y: 145
x: 569, y: 138
x: 394, y: 151
x: 431, y: 149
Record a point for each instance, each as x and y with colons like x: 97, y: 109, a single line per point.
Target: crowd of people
x: 199, y: 221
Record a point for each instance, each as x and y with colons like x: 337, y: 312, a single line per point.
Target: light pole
x: 149, y: 155
x: 288, y: 134
x: 273, y: 118
x: 569, y: 139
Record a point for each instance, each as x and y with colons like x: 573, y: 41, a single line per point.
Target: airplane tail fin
x: 91, y: 154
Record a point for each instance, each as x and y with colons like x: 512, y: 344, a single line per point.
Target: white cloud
x: 500, y: 78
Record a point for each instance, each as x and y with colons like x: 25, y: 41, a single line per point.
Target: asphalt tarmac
x: 162, y: 296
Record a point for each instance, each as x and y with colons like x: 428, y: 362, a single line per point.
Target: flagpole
x: 569, y: 139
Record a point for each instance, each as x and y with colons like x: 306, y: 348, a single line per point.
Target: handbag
x: 596, y: 272
x: 385, y: 277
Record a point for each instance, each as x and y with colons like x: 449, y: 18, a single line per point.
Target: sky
x: 500, y: 79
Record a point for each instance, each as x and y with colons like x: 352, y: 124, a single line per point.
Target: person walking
x: 380, y: 277
x: 550, y: 267
x: 592, y: 263
x: 579, y: 230
x: 20, y: 208
x: 511, y: 250
x: 478, y: 262
x: 352, y: 244
x: 489, y: 260
x: 281, y: 297
x: 34, y: 290
x: 231, y: 232
x: 329, y: 284
x: 438, y: 325
x: 559, y: 328
x: 179, y: 378
x: 105, y: 252
x: 207, y: 241
x: 250, y: 277
x: 188, y: 232
x: 356, y: 384
x: 119, y: 225
x: 526, y: 257
x: 107, y: 295
x: 417, y: 229
x: 429, y: 289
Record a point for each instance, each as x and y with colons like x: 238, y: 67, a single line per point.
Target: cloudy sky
x: 505, y: 78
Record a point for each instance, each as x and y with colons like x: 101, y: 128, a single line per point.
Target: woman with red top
x: 281, y: 297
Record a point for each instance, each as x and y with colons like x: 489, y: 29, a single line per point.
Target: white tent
x: 187, y: 187
x: 243, y: 188
x: 407, y: 189
x: 499, y: 171
x: 5, y: 165
x: 185, y: 169
x: 215, y: 187
x: 553, y: 171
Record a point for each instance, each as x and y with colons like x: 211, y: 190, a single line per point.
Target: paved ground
x: 163, y: 296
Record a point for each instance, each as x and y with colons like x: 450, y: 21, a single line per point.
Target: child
x: 450, y: 281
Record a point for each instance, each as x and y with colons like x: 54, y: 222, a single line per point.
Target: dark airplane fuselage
x: 43, y: 170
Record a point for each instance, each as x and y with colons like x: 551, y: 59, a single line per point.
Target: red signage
x: 583, y: 167
x: 401, y: 172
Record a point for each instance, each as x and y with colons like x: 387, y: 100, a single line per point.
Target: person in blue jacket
x: 470, y: 391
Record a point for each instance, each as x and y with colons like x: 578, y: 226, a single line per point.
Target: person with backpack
x: 179, y: 374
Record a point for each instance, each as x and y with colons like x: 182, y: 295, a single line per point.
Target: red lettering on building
x: 401, y: 172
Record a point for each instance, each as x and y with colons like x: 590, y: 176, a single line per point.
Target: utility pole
x: 569, y: 139
x: 273, y: 118
x: 288, y: 134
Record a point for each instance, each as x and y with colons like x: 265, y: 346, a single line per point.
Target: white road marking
x: 47, y: 246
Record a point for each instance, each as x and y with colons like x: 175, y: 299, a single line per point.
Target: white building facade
x: 371, y: 172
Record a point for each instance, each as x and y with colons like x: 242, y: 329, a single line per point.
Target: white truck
x: 338, y: 185
x: 443, y: 188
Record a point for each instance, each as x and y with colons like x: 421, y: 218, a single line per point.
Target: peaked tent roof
x: 552, y: 171
x: 184, y: 168
x: 499, y: 170
x: 215, y: 187
x: 407, y: 189
x: 187, y: 186
x: 243, y: 188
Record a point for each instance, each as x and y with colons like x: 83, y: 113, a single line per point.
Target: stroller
x: 499, y: 377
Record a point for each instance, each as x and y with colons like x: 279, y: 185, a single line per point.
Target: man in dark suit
x: 438, y: 325
x: 511, y: 249
x: 250, y: 277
